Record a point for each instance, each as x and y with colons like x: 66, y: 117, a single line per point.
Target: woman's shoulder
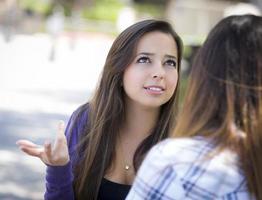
x: 79, y: 117
x: 198, y: 151
x: 176, y: 147
x: 81, y: 112
x: 77, y: 124
x: 175, y: 152
x: 193, y: 161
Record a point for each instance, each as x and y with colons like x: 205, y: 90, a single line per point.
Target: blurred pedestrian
x: 54, y: 27
x: 10, y: 19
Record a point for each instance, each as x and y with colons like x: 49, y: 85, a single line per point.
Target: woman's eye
x: 171, y: 63
x: 143, y: 60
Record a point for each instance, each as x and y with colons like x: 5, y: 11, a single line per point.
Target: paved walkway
x: 36, y: 92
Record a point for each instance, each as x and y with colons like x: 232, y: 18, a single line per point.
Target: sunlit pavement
x: 36, y: 92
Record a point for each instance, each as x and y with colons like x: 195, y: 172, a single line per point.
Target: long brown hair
x: 225, y: 91
x: 106, y: 111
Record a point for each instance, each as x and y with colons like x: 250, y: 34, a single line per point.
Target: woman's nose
x: 158, y: 72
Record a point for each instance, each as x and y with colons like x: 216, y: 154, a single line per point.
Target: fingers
x: 30, y: 148
x: 37, y: 152
x: 60, y: 137
x: 61, y: 128
x: 48, y: 149
x: 42, y: 152
x: 51, y: 155
x: 26, y: 143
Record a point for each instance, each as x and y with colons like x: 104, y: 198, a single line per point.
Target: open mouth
x: 156, y: 89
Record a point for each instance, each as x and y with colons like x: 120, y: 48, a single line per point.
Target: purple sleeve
x: 59, y: 179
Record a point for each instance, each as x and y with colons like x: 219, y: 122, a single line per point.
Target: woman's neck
x: 138, y: 123
x: 139, y: 120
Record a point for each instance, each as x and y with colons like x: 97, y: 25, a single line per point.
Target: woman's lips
x: 154, y: 89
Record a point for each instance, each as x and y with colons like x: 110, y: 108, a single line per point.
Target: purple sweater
x: 59, y: 180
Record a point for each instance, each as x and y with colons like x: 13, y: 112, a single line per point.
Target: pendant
x: 127, y: 167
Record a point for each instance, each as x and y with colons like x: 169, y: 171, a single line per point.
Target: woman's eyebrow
x: 171, y: 56
x: 151, y: 54
x: 146, y: 53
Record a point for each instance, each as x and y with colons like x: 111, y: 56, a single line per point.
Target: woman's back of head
x: 224, y: 96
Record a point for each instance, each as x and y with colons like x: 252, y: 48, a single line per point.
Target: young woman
x: 218, y: 152
x: 133, y: 108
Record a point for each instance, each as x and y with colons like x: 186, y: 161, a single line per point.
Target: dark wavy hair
x: 106, y: 111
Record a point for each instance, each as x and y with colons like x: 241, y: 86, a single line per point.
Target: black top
x: 112, y: 191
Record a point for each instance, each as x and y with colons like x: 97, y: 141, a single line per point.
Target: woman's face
x: 151, y: 79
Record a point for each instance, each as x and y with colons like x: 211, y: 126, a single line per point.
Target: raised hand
x: 54, y: 155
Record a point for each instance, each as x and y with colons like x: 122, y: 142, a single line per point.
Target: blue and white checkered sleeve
x: 156, y: 179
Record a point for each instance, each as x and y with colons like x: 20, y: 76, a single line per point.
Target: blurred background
x: 51, y: 55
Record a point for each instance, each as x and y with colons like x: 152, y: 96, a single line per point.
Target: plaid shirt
x: 178, y: 169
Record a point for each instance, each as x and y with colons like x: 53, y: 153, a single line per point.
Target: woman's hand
x: 56, y: 155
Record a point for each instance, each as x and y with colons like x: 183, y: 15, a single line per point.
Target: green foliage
x: 150, y: 9
x: 187, y: 51
x: 183, y: 87
x: 103, y: 10
x: 100, y: 10
x: 39, y: 6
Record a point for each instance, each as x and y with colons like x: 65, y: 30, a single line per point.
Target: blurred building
x: 194, y: 18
